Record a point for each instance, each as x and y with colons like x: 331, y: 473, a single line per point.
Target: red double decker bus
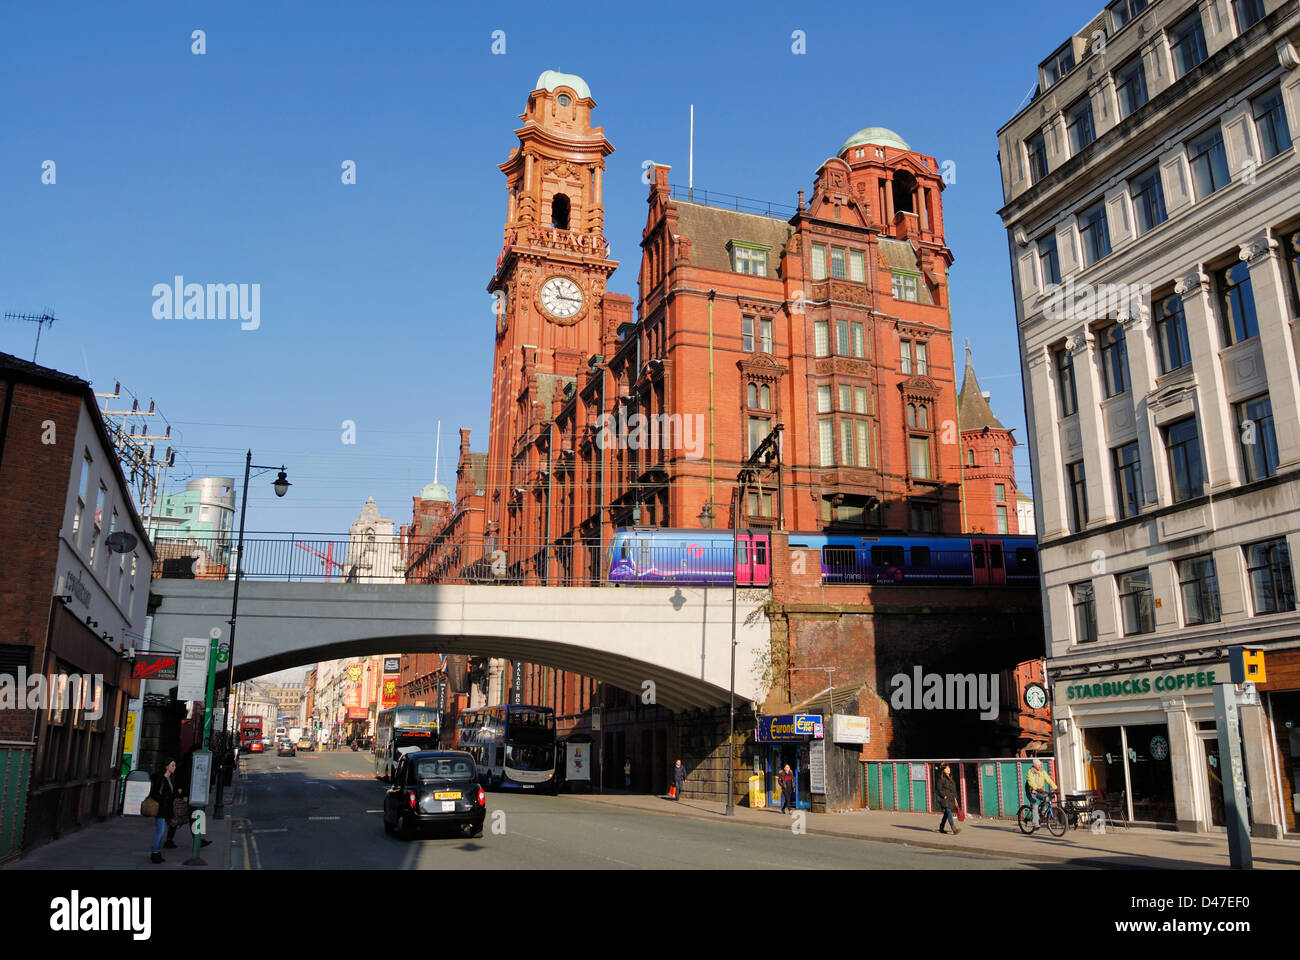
x: 250, y: 729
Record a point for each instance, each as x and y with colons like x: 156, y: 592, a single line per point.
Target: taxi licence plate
x: 445, y: 795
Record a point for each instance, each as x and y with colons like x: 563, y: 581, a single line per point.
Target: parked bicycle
x: 1050, y: 815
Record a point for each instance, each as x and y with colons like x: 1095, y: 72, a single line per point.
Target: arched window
x: 911, y: 414
x: 970, y: 458
x: 904, y: 192
x: 997, y: 455
x: 560, y: 212
x: 767, y: 397
x: 751, y: 396
x: 924, y: 417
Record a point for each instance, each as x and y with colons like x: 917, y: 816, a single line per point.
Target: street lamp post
x: 281, y: 487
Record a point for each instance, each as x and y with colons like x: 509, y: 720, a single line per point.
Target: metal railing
x: 728, y: 201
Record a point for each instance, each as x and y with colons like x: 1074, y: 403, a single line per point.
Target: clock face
x: 561, y: 298
x: 1035, y: 697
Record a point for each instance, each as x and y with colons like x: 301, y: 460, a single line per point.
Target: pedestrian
x: 787, y: 788
x: 627, y: 774
x: 679, y: 778
x: 947, y: 791
x: 162, y: 790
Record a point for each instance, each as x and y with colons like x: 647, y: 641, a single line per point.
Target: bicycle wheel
x: 1025, y: 818
x: 1056, y: 824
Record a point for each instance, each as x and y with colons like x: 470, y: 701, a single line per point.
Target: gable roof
x: 710, y: 229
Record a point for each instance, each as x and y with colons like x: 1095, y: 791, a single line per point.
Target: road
x: 322, y: 811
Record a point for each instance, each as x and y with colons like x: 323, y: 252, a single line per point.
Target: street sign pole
x: 201, y: 762
x: 1232, y: 774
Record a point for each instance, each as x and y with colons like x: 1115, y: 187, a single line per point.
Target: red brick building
x: 989, y: 462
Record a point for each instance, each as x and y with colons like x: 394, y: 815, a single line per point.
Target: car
x: 285, y: 748
x: 433, y: 788
x: 304, y: 743
x: 256, y: 746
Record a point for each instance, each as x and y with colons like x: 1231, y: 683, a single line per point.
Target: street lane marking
x: 324, y: 818
x: 374, y: 811
x: 271, y: 830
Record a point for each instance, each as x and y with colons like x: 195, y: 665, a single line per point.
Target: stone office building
x: 1153, y: 214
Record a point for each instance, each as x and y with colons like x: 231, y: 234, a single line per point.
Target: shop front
x: 791, y: 739
x: 1146, y: 744
x: 1281, y: 701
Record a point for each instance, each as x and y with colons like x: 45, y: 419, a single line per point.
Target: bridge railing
x: 382, y: 559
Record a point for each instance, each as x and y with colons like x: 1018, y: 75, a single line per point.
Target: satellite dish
x: 120, y: 542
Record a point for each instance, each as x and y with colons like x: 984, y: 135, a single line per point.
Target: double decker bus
x: 513, y: 745
x: 250, y: 729
x: 402, y: 730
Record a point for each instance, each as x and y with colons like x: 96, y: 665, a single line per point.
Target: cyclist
x: 1035, y: 783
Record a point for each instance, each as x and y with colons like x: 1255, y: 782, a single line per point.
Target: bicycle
x: 1050, y: 815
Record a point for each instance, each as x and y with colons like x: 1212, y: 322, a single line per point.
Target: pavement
x: 1119, y: 847
x: 122, y: 843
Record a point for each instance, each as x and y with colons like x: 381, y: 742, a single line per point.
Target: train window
x: 623, y: 551
x: 886, y: 556
x: 742, y: 553
x: 1026, y: 559
x: 995, y: 556
x: 643, y: 553
x: 839, y: 558
x: 977, y: 553
x: 920, y: 556
x: 760, y: 552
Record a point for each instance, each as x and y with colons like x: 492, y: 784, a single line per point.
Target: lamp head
x: 281, y: 484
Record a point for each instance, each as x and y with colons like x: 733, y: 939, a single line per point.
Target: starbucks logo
x: 1159, y: 748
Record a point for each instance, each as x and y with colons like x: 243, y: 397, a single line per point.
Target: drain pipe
x: 712, y: 439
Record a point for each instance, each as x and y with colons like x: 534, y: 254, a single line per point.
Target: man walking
x: 679, y: 779
x: 786, y: 778
x: 947, y: 791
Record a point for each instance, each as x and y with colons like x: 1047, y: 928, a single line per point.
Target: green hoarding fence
x: 15, y: 772
x: 991, y: 786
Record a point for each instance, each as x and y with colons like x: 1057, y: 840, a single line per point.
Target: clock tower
x: 551, y: 306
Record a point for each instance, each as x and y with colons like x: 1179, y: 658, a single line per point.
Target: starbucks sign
x: 1134, y: 685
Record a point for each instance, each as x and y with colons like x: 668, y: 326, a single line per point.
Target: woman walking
x: 163, y: 792
x: 947, y: 791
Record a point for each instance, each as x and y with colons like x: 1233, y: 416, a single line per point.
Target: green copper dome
x: 550, y: 79
x: 435, y: 491
x: 880, y: 136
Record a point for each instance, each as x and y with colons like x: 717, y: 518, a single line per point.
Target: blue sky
x: 225, y: 168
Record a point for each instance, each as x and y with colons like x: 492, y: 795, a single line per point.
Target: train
x: 645, y: 555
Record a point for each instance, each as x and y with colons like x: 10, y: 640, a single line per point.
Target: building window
x: 822, y: 338
x: 765, y: 335
x: 857, y: 268
x: 1249, y: 13
x: 919, y: 450
x: 826, y: 443
x: 859, y: 399
x: 1036, y: 150
x: 1065, y: 382
x: 838, y: 268
x: 1084, y: 599
x: 83, y: 493
x: 747, y: 334
x: 1002, y: 519
x: 1209, y: 162
x: 1149, y: 200
x: 1079, y: 125
x: 1128, y: 479
x: 751, y: 395
x: 1048, y: 261
x: 823, y: 399
x: 846, y: 393
x: 906, y: 287
x: 1257, y: 439
x: 1239, y: 320
x: 843, y: 347
x: 1268, y: 565
x: 1131, y: 87
x: 922, y: 517
x: 905, y: 356
x: 750, y: 260
x: 758, y: 430
x: 999, y: 492
x: 970, y: 458
x: 1270, y: 121
x: 766, y: 396
x: 1200, y: 589
x: 997, y: 455
x: 1114, y: 360
x: 1171, y: 333
x: 1122, y: 11
x: 1094, y: 233
x: 918, y: 416
x: 1136, y: 603
x: 1185, y: 473
x: 1060, y: 63
x: 97, y: 525
x: 1078, y: 484
x: 922, y: 360
x: 1187, y: 43
x: 819, y: 261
